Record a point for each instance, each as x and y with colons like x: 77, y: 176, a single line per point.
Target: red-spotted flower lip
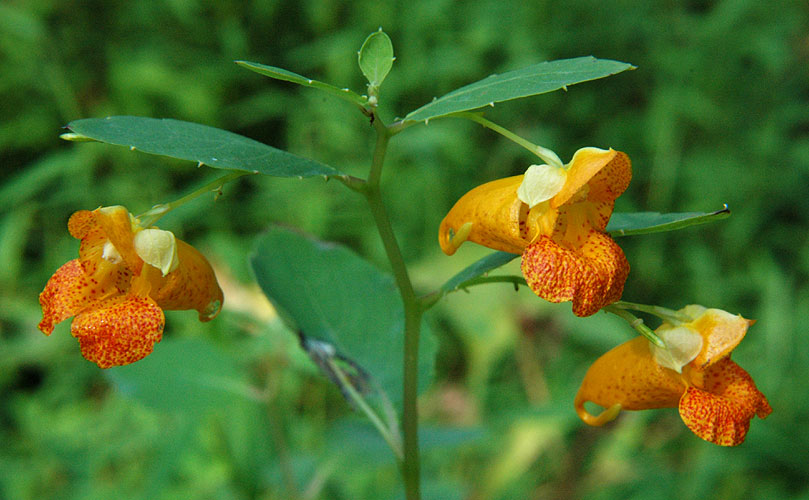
x: 715, y: 397
x: 555, y: 217
x: 124, y: 278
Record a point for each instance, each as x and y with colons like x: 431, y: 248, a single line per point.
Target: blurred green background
x: 716, y: 112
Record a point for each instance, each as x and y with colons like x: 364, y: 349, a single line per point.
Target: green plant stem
x: 668, y: 315
x: 155, y: 213
x: 431, y: 299
x: 618, y: 308
x: 545, y: 154
x: 482, y: 280
x: 637, y: 324
x: 410, y: 463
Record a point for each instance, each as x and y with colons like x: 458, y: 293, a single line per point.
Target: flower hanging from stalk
x: 124, y: 278
x: 716, y: 398
x: 555, y: 217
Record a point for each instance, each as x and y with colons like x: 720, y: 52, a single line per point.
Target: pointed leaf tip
x: 628, y: 224
x: 74, y: 137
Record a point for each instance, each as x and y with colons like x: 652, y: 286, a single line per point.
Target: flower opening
x: 556, y: 219
x: 716, y: 398
x: 118, y: 287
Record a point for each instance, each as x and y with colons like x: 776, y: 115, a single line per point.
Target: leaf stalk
x: 154, y: 214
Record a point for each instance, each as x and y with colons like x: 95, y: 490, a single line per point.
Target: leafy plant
x: 365, y: 328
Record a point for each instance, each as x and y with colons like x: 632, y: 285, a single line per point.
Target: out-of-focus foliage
x: 717, y: 112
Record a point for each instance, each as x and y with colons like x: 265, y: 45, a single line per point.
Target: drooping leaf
x: 334, y: 297
x: 192, y: 379
x: 186, y: 375
x: 628, y: 224
x: 289, y: 76
x: 532, y: 80
x: 376, y: 57
x: 211, y: 146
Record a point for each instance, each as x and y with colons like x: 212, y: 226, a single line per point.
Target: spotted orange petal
x: 606, y: 173
x: 591, y: 277
x: 82, y: 225
x: 96, y: 228
x: 496, y: 214
x: 120, y: 332
x: 67, y: 293
x: 192, y: 285
x: 720, y: 411
x: 628, y: 376
x: 721, y: 333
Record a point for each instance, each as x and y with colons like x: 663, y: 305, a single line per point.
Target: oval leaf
x: 628, y: 224
x: 206, y: 145
x: 289, y: 76
x: 376, y: 57
x: 532, y: 80
x: 335, y: 297
x: 190, y: 371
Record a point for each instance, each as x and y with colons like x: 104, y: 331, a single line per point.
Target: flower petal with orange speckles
x: 497, y: 217
x: 123, y: 331
x: 592, y: 277
x: 67, y: 293
x: 192, y: 285
x: 721, y: 332
x: 628, y: 376
x: 101, y: 226
x: 606, y: 172
x: 611, y: 181
x: 80, y: 223
x: 721, y: 411
x: 116, y: 222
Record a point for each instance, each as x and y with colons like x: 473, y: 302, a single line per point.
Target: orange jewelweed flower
x: 715, y: 396
x: 555, y: 217
x: 124, y: 278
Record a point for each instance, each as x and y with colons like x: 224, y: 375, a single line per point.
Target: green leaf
x: 206, y: 145
x: 187, y: 375
x: 628, y: 224
x: 338, y: 300
x: 376, y: 57
x: 532, y: 80
x: 479, y: 268
x: 288, y: 76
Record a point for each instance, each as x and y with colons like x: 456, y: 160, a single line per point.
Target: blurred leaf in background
x: 715, y: 113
